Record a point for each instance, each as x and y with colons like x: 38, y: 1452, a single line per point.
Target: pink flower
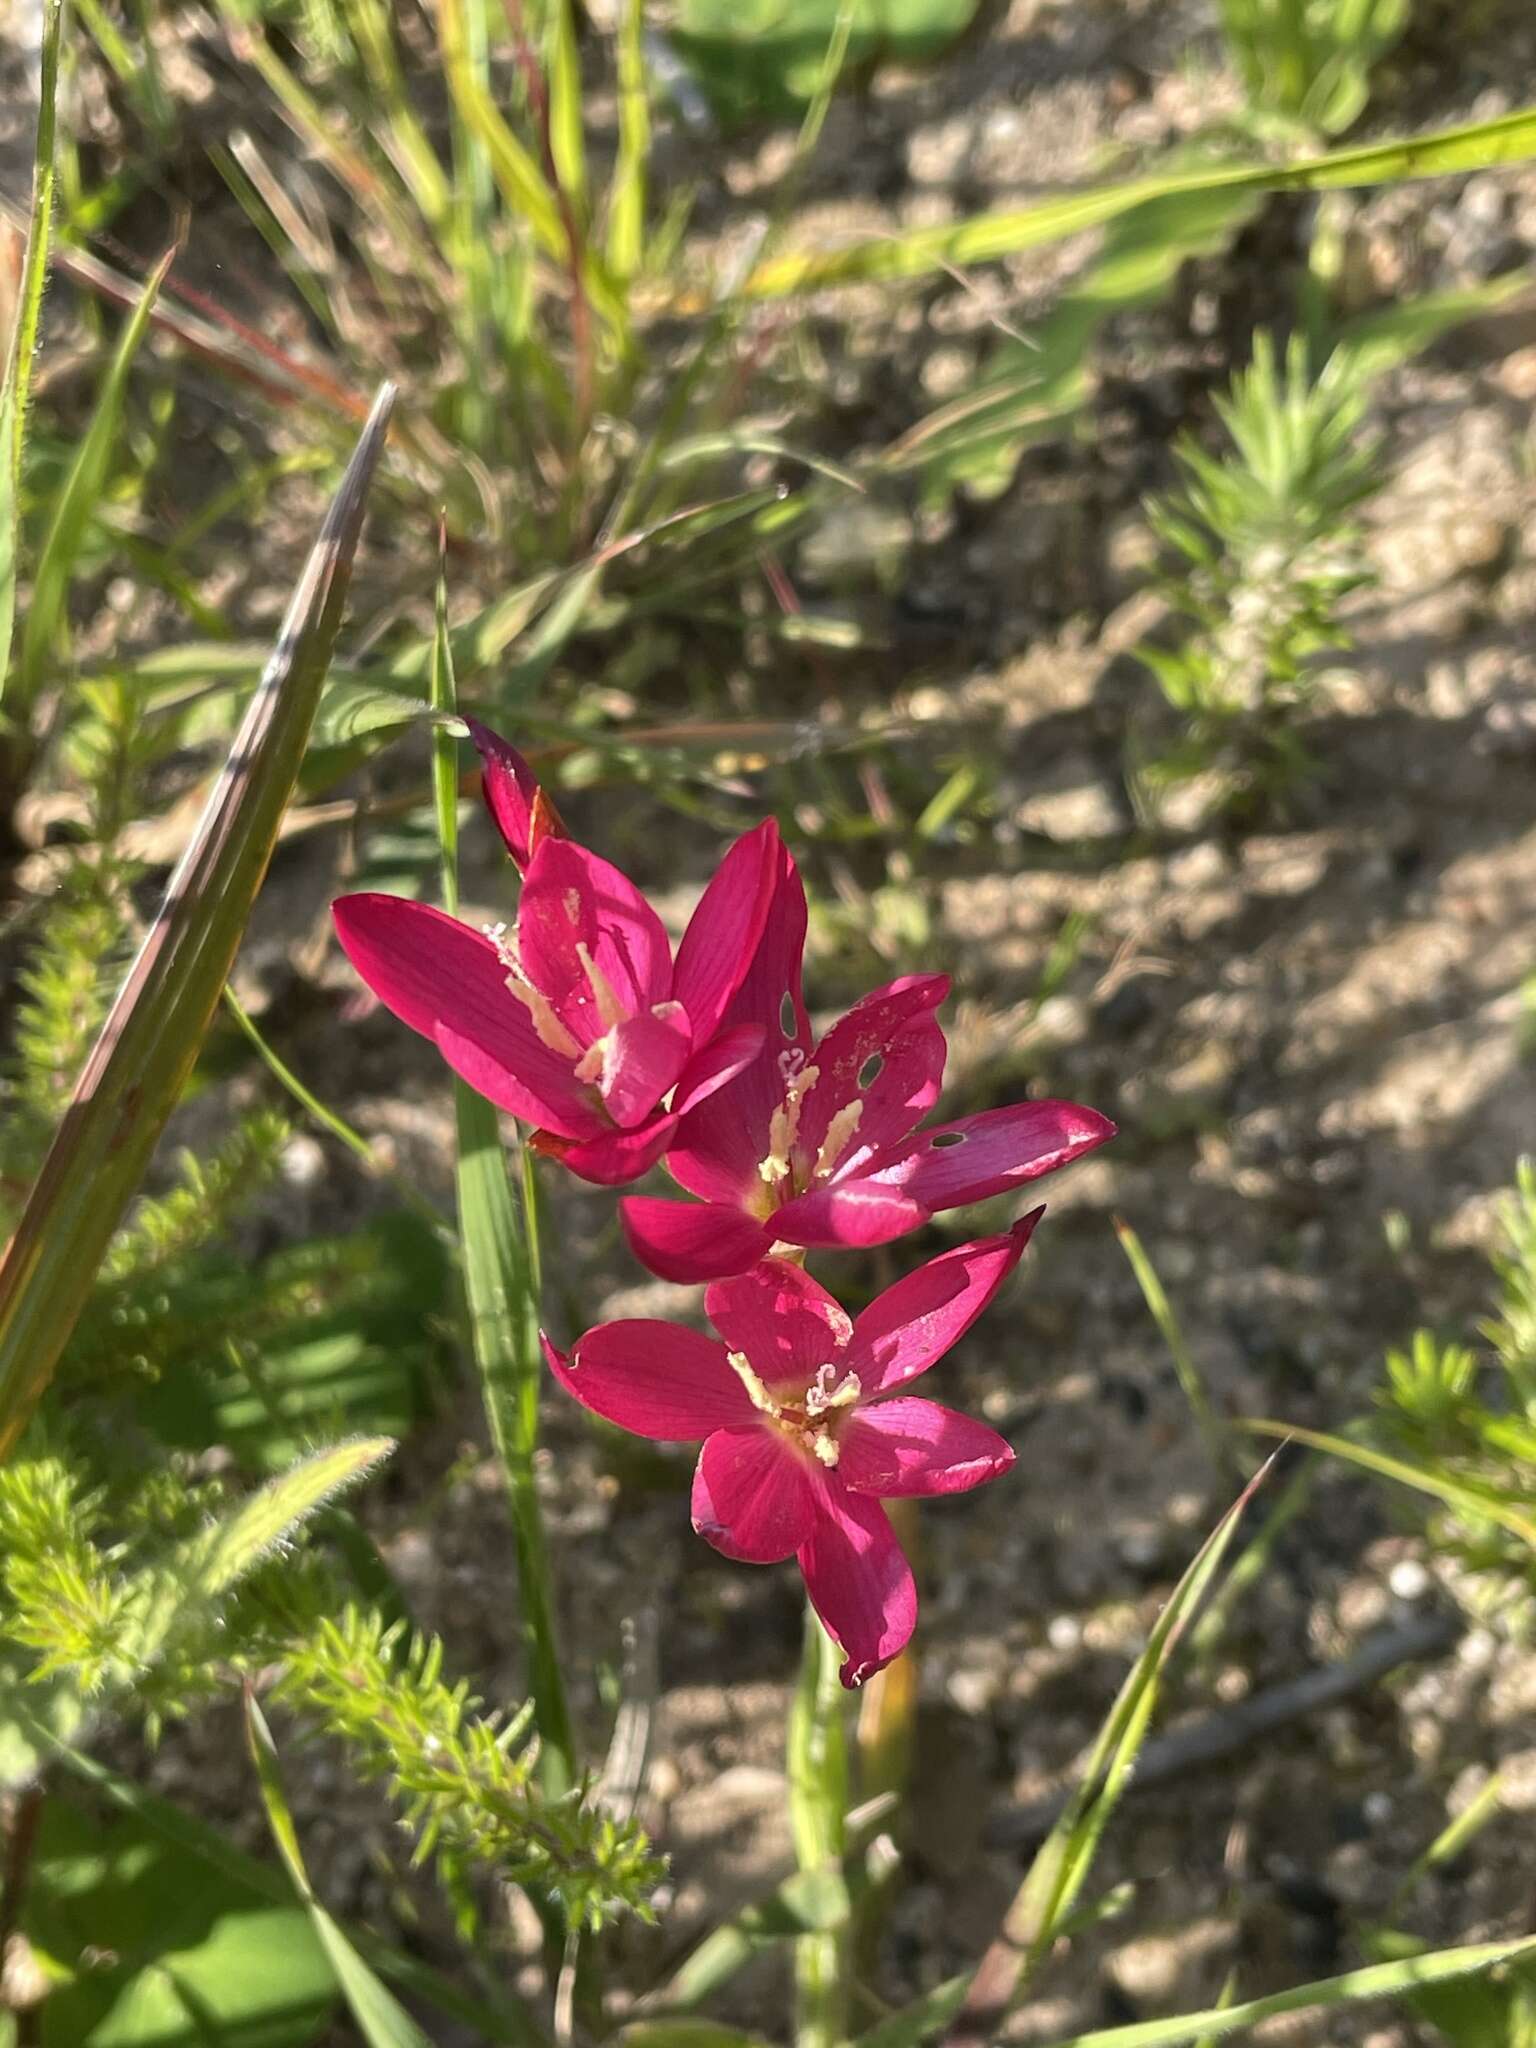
x: 806, y: 1424
x: 576, y: 1019
x: 816, y: 1144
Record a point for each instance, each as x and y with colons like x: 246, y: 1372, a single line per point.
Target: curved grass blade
x: 1060, y: 1869
x: 1475, y: 146
x: 1454, y: 1493
x: 1399, y: 1979
x: 149, y: 1042
x: 75, y: 508
x: 381, y: 2019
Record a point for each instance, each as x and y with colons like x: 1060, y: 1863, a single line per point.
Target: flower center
x: 809, y: 1420
x: 781, y: 1171
x: 551, y: 1028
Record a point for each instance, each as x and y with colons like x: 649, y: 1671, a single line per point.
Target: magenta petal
x: 449, y: 983
x: 660, y: 1380
x: 887, y: 1055
x: 859, y: 1581
x: 753, y: 1498
x: 691, y: 1241
x: 512, y: 794
x: 720, y: 1061
x: 725, y: 930
x: 723, y: 1140
x: 850, y: 1213
x: 916, y: 1321
x: 642, y: 1058
x: 784, y: 1323
x: 908, y: 1446
x: 616, y: 1157
x: 573, y: 900
x: 953, y: 1164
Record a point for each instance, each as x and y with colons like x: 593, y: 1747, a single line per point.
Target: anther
x: 784, y: 1126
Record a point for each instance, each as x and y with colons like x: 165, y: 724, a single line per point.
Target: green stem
x: 501, y: 1266
x: 818, y: 1802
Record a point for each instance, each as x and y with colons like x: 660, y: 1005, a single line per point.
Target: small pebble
x: 1064, y: 1633
x: 1409, y: 1580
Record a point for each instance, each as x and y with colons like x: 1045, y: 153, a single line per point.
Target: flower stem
x: 500, y: 1253
x: 818, y: 1802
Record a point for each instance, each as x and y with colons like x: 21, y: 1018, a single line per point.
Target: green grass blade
x: 16, y: 375
x: 148, y: 1045
x: 1476, y: 146
x: 626, y: 192
x: 381, y: 2019
x: 522, y: 184
x: 1217, y: 1443
x: 1465, y: 1500
x: 47, y: 615
x: 1061, y: 1866
x: 34, y: 270
x: 567, y: 145
x: 807, y: 1902
x: 500, y: 1262
x: 1380, y: 1980
x: 260, y: 1524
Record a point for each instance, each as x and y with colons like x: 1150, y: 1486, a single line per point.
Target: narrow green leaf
x: 381, y: 2019
x: 260, y: 1524
x: 521, y: 182
x: 500, y: 1262
x: 47, y: 621
x: 807, y: 1902
x: 21, y: 344
x: 686, y: 2033
x: 626, y: 192
x: 919, y: 2021
x: 1063, y: 1861
x: 566, y: 143
x: 982, y: 239
x: 1399, y: 1979
x: 146, y: 1049
x: 1217, y: 1443
x: 1465, y: 1499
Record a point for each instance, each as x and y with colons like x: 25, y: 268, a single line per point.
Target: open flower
x: 806, y: 1424
x: 576, y: 1018
x: 816, y: 1143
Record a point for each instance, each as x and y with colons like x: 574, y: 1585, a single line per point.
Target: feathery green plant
x: 466, y: 1781
x: 1265, y: 547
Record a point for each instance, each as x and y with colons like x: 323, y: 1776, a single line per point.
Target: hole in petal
x: 788, y: 1022
x: 871, y: 1070
x: 945, y: 1139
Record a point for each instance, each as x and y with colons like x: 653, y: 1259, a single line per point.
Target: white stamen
x: 825, y: 1393
x: 548, y: 1026
x: 757, y: 1393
